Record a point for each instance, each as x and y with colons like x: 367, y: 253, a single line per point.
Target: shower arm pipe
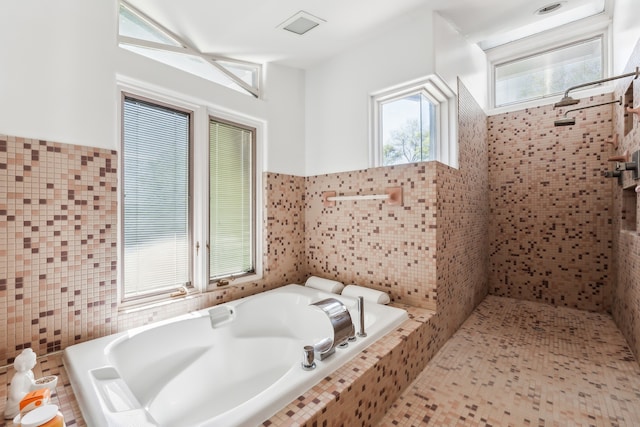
x: 635, y: 75
x: 617, y: 101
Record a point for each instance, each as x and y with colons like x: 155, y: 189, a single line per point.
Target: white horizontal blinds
x: 231, y: 199
x: 156, y: 197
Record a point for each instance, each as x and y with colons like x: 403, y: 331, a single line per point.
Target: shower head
x: 570, y: 121
x: 565, y: 102
x: 565, y: 121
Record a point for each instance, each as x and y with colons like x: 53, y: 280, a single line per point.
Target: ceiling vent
x: 301, y: 22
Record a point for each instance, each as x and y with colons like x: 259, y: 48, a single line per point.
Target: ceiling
x: 249, y: 29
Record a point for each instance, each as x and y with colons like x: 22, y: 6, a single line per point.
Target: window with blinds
x: 231, y: 199
x: 156, y: 143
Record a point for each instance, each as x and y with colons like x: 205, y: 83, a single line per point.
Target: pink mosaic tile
x: 373, y: 244
x: 521, y: 363
x: 57, y: 269
x: 551, y: 233
x: 625, y: 215
x: 58, y: 214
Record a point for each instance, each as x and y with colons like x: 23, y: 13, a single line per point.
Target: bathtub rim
x: 79, y: 370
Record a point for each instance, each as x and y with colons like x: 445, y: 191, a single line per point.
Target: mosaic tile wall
x: 370, y: 243
x: 392, y: 248
x: 57, y: 245
x: 626, y: 248
x: 462, y: 253
x: 58, y: 212
x: 551, y: 232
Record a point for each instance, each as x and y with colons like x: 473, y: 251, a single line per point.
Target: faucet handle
x: 361, y: 333
x: 307, y: 358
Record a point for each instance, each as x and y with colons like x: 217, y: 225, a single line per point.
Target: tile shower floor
x: 518, y: 363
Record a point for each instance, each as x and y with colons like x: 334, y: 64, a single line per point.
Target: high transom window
x: 141, y: 34
x: 548, y: 73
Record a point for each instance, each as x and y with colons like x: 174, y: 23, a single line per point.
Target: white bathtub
x: 185, y: 372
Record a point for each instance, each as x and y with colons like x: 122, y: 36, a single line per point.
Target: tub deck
x: 335, y: 392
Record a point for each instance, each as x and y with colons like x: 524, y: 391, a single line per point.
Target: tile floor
x: 518, y: 363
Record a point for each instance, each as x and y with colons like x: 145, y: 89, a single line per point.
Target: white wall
x: 338, y: 91
x: 56, y: 73
x: 626, y: 32
x: 58, y: 81
x: 456, y: 57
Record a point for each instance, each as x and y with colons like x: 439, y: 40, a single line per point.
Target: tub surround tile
x: 361, y: 391
x: 58, y: 220
x: 57, y: 217
x: 369, y: 243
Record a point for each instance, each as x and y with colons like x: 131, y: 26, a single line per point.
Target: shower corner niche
x: 628, y: 103
x: 629, y: 208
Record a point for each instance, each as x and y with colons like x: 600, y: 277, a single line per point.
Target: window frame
x: 181, y: 46
x: 202, y: 110
x: 445, y: 102
x: 548, y: 41
x: 254, y: 190
x: 153, y: 295
x: 542, y: 53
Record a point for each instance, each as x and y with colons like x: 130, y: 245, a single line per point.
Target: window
x: 188, y: 198
x: 414, y: 123
x: 548, y: 73
x: 156, y: 148
x: 231, y: 189
x: 408, y: 129
x: 140, y: 34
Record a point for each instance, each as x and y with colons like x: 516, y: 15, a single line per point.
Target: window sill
x: 149, y: 303
x: 233, y: 282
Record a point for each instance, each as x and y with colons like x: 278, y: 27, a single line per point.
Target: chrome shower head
x: 565, y: 121
x: 565, y: 102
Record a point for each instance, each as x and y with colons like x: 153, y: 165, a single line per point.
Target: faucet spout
x: 341, y: 323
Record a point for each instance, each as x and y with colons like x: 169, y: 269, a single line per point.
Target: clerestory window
x: 544, y: 74
x: 139, y: 33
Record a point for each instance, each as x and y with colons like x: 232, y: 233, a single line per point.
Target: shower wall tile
x: 373, y: 244
x: 462, y: 254
x: 58, y: 254
x: 626, y: 241
x: 551, y: 231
